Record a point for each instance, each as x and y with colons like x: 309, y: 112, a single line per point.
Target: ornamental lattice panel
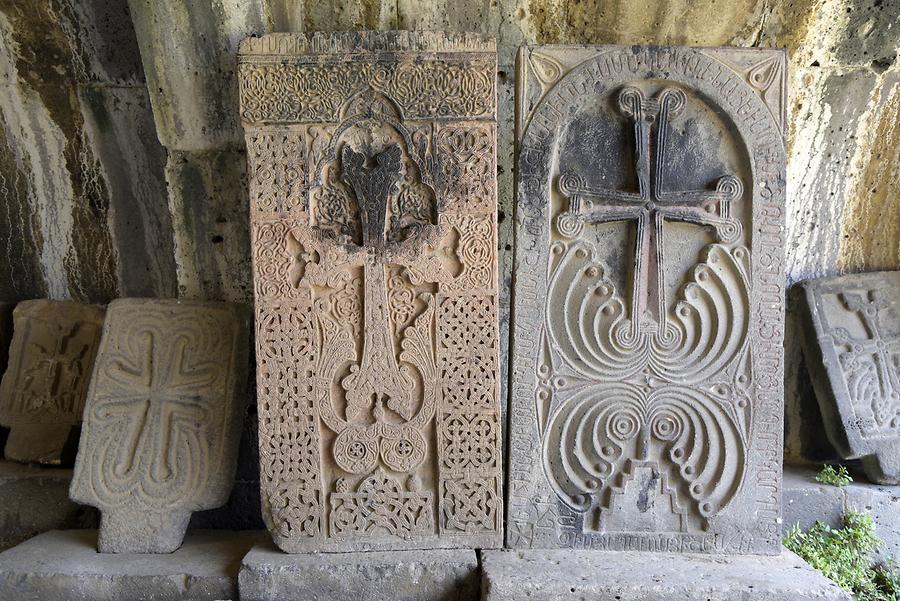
x: 646, y: 396
x: 372, y: 167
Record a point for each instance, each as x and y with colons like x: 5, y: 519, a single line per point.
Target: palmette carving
x: 645, y: 393
x: 376, y: 303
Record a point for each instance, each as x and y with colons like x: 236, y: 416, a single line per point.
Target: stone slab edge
x: 267, y: 574
x: 552, y: 575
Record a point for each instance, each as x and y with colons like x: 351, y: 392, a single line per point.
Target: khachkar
x: 646, y: 407
x: 852, y: 348
x: 373, y: 205
x: 43, y: 390
x: 162, y: 420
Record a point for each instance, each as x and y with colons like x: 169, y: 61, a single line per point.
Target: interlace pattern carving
x: 376, y: 304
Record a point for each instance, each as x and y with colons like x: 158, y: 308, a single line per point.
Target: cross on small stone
x: 167, y: 391
x: 877, y: 346
x: 652, y: 204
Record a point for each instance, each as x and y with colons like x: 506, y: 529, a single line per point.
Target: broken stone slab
x: 267, y: 574
x: 43, y: 390
x: 35, y: 499
x: 852, y: 350
x: 646, y: 399
x: 807, y: 501
x: 162, y: 420
x: 373, y: 209
x: 550, y: 575
x: 64, y: 565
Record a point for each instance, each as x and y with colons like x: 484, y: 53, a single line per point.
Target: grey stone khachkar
x: 162, y: 420
x: 646, y: 395
x: 372, y: 167
x: 43, y: 390
x: 852, y: 350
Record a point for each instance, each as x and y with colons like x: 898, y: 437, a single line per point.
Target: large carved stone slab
x: 43, y: 390
x: 162, y: 420
x: 852, y: 349
x: 372, y: 162
x: 646, y: 400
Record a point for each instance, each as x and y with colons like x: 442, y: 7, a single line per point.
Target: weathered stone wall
x: 122, y: 164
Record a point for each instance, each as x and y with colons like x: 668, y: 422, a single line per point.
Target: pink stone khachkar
x: 372, y: 162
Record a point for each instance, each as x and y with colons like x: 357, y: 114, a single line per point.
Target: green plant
x: 845, y: 555
x: 835, y: 476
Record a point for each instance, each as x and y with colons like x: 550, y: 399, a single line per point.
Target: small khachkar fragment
x: 852, y: 349
x: 162, y: 420
x: 646, y: 394
x: 372, y: 165
x: 43, y: 390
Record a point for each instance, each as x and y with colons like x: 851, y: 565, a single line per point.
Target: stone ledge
x: 267, y: 574
x: 35, y: 499
x: 64, y: 565
x: 806, y: 501
x: 553, y: 575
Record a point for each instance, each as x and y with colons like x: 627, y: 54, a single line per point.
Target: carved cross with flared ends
x: 883, y: 352
x: 652, y: 204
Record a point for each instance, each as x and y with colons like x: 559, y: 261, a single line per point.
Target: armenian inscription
x: 43, y: 390
x: 162, y: 420
x: 372, y: 160
x: 646, y: 396
x: 852, y: 348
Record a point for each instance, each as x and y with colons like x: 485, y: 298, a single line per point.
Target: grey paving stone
x: 617, y: 576
x: 267, y: 574
x: 65, y: 566
x: 807, y: 501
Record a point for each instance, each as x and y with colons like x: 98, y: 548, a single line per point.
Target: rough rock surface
x: 852, y: 350
x: 162, y: 420
x: 64, y: 565
x: 592, y: 576
x: 807, y: 501
x: 43, y: 391
x: 267, y: 574
x: 35, y: 499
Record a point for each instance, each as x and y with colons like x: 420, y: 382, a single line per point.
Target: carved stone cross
x: 883, y: 352
x: 168, y: 396
x: 162, y: 420
x: 652, y: 204
x: 378, y: 381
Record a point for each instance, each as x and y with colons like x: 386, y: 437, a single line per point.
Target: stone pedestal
x: 267, y: 574
x: 807, y: 501
x: 64, y: 565
x: 549, y: 575
x: 36, y: 499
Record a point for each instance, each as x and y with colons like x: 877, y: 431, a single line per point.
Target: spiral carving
x: 600, y: 432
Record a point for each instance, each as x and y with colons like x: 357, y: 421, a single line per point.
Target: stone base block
x: 807, y: 501
x: 268, y: 574
x: 65, y: 566
x: 35, y: 499
x: 551, y: 575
